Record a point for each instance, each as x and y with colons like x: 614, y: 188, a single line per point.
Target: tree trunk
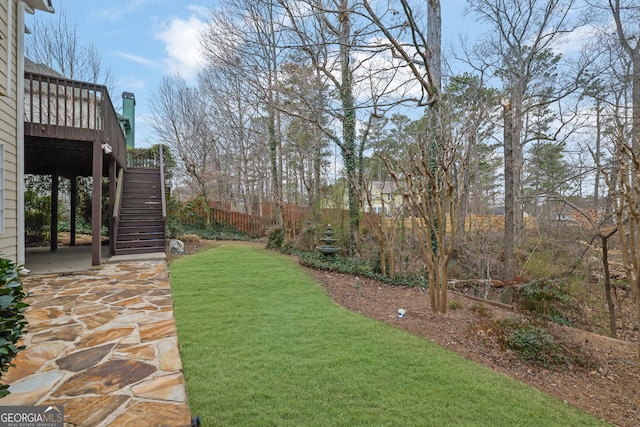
x: 383, y: 258
x: 390, y: 239
x: 349, y: 152
x: 509, y: 193
x: 275, y: 170
x: 392, y: 262
x: 517, y: 119
x: 637, y: 286
x: 466, y: 188
x: 607, y: 286
x: 635, y: 94
x: 596, y: 185
x: 434, y: 39
x: 441, y: 283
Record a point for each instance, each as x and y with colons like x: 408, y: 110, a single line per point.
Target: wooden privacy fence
x: 473, y: 223
x: 479, y: 223
x: 248, y: 224
x: 295, y: 218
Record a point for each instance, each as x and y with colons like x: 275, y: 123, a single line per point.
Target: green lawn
x: 263, y: 345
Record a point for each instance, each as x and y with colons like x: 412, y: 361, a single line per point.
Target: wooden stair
x: 141, y: 226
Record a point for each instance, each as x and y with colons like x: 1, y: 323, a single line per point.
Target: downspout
x: 22, y: 9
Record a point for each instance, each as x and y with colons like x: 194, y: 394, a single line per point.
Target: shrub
x: 36, y: 217
x: 531, y: 343
x: 275, y: 238
x: 215, y: 233
x: 174, y: 227
x: 81, y: 227
x: 12, y: 321
x: 358, y: 267
x: 481, y: 309
x: 288, y: 247
x: 543, y: 299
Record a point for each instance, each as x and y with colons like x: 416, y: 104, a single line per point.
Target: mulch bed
x: 610, y: 390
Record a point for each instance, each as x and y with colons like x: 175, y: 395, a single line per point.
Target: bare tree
x: 519, y: 50
x: 383, y: 223
x: 323, y: 31
x: 473, y: 107
x: 243, y: 36
x: 431, y: 178
x: 625, y: 13
x: 304, y: 102
x: 237, y: 134
x: 624, y: 184
x: 180, y: 119
x: 604, y: 227
x: 57, y: 45
x: 620, y: 101
x: 418, y: 44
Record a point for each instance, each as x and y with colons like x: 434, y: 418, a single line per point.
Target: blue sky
x: 141, y: 41
x: 144, y: 40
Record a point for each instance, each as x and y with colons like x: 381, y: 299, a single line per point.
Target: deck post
x: 53, y: 230
x: 74, y: 210
x: 112, y: 199
x: 96, y: 203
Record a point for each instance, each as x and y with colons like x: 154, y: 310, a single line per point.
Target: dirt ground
x: 610, y: 390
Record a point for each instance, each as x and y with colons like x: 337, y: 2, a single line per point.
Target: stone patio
x: 103, y: 344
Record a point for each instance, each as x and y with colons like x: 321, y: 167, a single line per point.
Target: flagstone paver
x: 106, y: 378
x: 103, y: 344
x: 89, y: 411
x: 84, y: 359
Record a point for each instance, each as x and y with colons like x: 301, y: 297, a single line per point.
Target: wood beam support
x: 53, y: 230
x: 74, y: 210
x: 112, y: 200
x: 96, y: 204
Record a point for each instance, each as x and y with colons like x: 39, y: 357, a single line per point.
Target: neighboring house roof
x: 497, y: 210
x: 37, y: 68
x: 45, y: 5
x: 383, y: 187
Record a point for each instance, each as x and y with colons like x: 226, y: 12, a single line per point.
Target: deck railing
x: 60, y: 108
x: 163, y: 196
x: 117, y: 203
x: 141, y: 158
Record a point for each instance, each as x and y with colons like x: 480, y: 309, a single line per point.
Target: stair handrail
x: 162, y: 195
x: 116, y: 204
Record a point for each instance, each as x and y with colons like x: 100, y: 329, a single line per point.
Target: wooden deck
x: 71, y: 130
x: 63, y: 119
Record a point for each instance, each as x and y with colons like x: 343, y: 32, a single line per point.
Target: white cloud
x: 137, y: 59
x: 576, y: 39
x: 199, y: 10
x: 132, y: 84
x: 181, y: 38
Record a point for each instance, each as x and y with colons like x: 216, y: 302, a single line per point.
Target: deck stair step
x: 141, y: 228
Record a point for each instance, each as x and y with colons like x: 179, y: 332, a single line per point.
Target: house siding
x: 9, y: 127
